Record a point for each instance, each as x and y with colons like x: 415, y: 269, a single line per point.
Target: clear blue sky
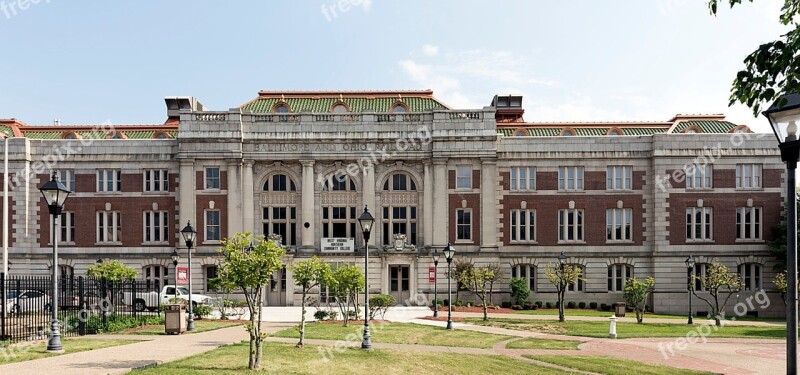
x: 92, y: 61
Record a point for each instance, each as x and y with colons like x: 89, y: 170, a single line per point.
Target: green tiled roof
x: 707, y: 126
x: 131, y: 134
x: 8, y: 131
x: 643, y: 131
x: 581, y: 132
x: 323, y: 105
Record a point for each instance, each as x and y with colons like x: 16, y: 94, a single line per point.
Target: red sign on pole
x: 431, y: 275
x: 183, y: 275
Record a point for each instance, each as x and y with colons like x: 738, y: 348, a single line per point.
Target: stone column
x: 440, y: 203
x: 248, y: 217
x: 427, y: 206
x: 234, y: 197
x: 186, y: 201
x: 488, y: 217
x: 368, y: 199
x: 307, y: 225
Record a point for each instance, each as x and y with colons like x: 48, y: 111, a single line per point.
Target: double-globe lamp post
x: 55, y: 194
x: 690, y: 262
x: 189, y: 235
x: 436, y: 257
x: 783, y: 116
x: 366, y: 221
x: 449, y: 251
x: 175, y: 257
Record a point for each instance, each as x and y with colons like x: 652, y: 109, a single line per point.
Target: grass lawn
x: 397, y: 333
x: 544, y: 344
x: 628, y: 330
x: 612, y: 366
x: 286, y: 359
x: 25, y: 352
x: 606, y: 314
x: 204, y: 325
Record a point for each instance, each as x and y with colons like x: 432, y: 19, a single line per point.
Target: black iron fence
x: 85, y: 305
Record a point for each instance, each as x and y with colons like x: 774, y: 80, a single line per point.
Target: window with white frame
x: 281, y: 221
x: 400, y: 182
x: 463, y: 224
x: 526, y: 272
x: 699, y: 223
x: 523, y: 225
x: 570, y: 225
x: 212, y: 225
x: 700, y: 271
x: 67, y: 177
x: 109, y: 180
x: 212, y: 178
x: 155, y: 277
x: 570, y: 178
x: 109, y: 227
x: 617, y: 273
x: 339, y: 222
x: 750, y: 274
x: 279, y: 182
x: 210, y: 274
x: 619, y: 177
x: 339, y: 182
x: 65, y: 228
x: 156, y: 226
x: 698, y: 177
x: 522, y: 179
x: 748, y: 223
x: 748, y: 176
x: 578, y: 283
x: 618, y: 224
x: 156, y: 180
x: 399, y: 220
x: 463, y: 177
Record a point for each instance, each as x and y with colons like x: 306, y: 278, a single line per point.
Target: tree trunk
x: 561, y: 305
x: 302, y: 319
x: 485, y: 308
x: 639, y: 316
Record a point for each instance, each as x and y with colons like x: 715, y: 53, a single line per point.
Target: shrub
x: 581, y: 305
x: 516, y: 307
x: 351, y: 314
x: 440, y: 302
x: 458, y: 303
x: 548, y: 305
x: 333, y: 315
x: 114, y: 323
x: 506, y: 305
x: 593, y: 305
x: 201, y: 311
x: 520, y: 291
x: 320, y: 315
x: 379, y: 303
x: 528, y: 306
x: 571, y: 305
x: 605, y: 307
x: 539, y: 304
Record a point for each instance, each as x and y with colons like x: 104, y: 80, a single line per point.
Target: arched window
x: 281, y: 108
x: 614, y: 131
x: 568, y: 133
x: 693, y: 130
x: 70, y: 135
x: 340, y: 108
x: 521, y: 133
x: 398, y: 109
x: 617, y: 273
x: 161, y: 135
x: 399, y: 211
x: 279, y: 182
x: 526, y: 272
x: 340, y: 182
x: 399, y: 182
x: 155, y: 277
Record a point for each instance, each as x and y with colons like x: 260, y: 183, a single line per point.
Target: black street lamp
x: 449, y: 251
x: 436, y: 257
x: 366, y: 220
x: 175, y: 257
x: 55, y: 194
x: 783, y: 116
x: 189, y: 235
x: 690, y: 262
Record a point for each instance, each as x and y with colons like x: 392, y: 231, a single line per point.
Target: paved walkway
x: 628, y: 318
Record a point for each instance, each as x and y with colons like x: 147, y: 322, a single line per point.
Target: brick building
x: 619, y: 199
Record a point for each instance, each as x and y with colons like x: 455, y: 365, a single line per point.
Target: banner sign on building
x: 431, y: 275
x: 183, y: 275
x: 337, y: 245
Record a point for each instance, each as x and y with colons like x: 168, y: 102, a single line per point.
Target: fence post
x: 82, y: 308
x: 103, y: 301
x: 3, y: 336
x: 133, y: 297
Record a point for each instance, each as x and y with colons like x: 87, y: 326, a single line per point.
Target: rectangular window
x: 618, y: 224
x: 212, y: 178
x: 522, y: 179
x: 463, y: 177
x: 570, y: 225
x: 463, y: 224
x: 700, y: 270
x: 748, y: 223
x: 212, y: 225
x: 523, y: 226
x: 109, y: 180
x: 109, y: 227
x: 570, y: 178
x: 577, y: 285
x: 699, y: 224
x: 617, y: 273
x: 156, y: 226
x: 65, y: 228
x: 281, y: 221
x: 748, y: 176
x: 750, y: 273
x: 67, y: 177
x: 618, y: 177
x: 211, y: 274
x: 338, y: 222
x: 399, y: 220
x: 698, y: 177
x: 526, y: 272
x: 155, y: 180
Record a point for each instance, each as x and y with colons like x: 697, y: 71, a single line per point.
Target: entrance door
x: 276, y: 292
x: 399, y: 283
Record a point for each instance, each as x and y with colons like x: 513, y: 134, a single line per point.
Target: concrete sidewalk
x: 627, y: 319
x: 122, y: 359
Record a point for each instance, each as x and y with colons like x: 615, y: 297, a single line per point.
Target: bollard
x: 612, y: 327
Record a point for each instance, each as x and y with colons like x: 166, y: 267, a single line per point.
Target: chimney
x: 176, y: 104
x: 57, y: 122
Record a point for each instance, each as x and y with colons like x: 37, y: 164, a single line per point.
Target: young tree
x: 497, y: 271
x: 562, y: 276
x: 347, y: 282
x: 250, y: 269
x: 111, y: 273
x: 636, y: 292
x: 718, y: 281
x: 520, y: 291
x: 477, y: 280
x: 782, y: 284
x: 309, y: 274
x: 460, y: 265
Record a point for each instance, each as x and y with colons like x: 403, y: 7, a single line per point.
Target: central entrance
x: 399, y: 283
x: 276, y: 292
